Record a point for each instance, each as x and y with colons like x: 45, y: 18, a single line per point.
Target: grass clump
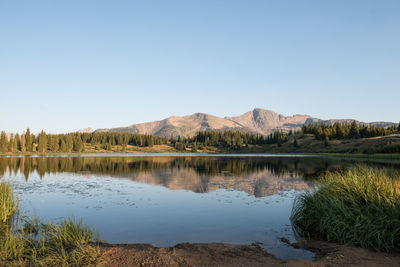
x: 8, y: 205
x: 360, y: 206
x: 29, y: 242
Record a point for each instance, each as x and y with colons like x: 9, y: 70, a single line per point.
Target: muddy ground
x: 216, y: 254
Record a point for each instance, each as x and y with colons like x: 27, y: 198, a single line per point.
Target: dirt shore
x: 217, y: 254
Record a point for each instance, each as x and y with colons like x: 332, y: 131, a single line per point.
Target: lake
x: 170, y: 199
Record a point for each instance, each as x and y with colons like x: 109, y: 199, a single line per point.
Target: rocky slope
x: 259, y: 121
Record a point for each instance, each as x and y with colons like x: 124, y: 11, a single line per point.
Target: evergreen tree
x: 42, y: 142
x: 28, y: 141
x: 34, y: 143
x: 78, y: 145
x: 17, y: 142
x: 11, y: 144
x: 63, y: 146
x: 82, y: 147
x: 295, y: 143
x: 326, y: 141
x: 340, y: 132
x: 398, y: 127
x: 354, y: 132
x: 22, y: 146
x: 69, y: 142
x: 149, y: 141
x: 3, y: 142
x: 53, y: 143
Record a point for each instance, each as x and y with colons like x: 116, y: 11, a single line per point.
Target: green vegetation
x: 123, y: 142
x: 307, y: 143
x: 360, y: 206
x: 74, y: 142
x: 346, y: 131
x: 26, y: 242
x: 314, y: 138
x: 225, y: 141
x: 8, y: 206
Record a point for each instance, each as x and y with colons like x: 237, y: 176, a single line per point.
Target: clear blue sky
x: 66, y: 65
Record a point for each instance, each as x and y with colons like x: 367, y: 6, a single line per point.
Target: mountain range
x: 260, y: 121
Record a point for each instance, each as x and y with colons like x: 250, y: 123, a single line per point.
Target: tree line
x: 234, y: 140
x: 78, y: 142
x: 347, y: 131
x: 73, y: 142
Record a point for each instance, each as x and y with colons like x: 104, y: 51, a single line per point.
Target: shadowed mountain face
x: 258, y: 121
x: 258, y: 176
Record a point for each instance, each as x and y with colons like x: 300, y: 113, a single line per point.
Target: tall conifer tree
x: 354, y: 132
x: 69, y: 143
x: 11, y: 144
x: 63, y: 146
x: 28, y: 141
x: 17, y: 142
x: 42, y: 142
x: 22, y: 147
x: 3, y: 142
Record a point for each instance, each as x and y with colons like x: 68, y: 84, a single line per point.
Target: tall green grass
x: 8, y: 205
x: 360, y: 206
x: 30, y: 242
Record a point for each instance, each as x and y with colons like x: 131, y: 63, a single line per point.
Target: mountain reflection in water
x: 258, y: 176
x: 167, y: 200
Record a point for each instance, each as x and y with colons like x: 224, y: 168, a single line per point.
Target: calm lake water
x: 169, y: 199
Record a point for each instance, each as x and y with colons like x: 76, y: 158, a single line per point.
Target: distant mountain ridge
x: 86, y: 130
x: 260, y: 121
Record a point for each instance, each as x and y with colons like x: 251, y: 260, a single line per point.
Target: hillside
x: 176, y: 126
x: 264, y: 121
x: 260, y: 121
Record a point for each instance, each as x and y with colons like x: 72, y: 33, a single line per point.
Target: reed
x: 360, y: 206
x: 30, y: 242
x: 9, y: 206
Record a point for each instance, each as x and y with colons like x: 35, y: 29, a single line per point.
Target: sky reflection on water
x: 170, y: 200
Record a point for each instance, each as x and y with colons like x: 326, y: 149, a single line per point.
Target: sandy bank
x: 216, y: 254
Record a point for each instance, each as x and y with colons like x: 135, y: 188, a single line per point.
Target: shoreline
x: 224, y: 254
x: 220, y: 153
